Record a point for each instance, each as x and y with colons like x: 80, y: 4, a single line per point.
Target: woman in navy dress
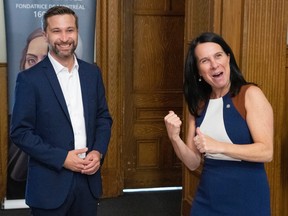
x: 230, y: 127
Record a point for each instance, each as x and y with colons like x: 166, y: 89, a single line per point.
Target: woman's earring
x: 199, y: 79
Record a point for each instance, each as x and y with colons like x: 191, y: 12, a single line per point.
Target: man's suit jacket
x: 41, y: 127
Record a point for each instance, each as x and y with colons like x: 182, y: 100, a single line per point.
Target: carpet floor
x: 156, y: 203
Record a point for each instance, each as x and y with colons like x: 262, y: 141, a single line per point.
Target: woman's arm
x: 188, y: 154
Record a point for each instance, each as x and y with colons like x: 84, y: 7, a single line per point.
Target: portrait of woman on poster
x: 230, y: 129
x: 36, y: 49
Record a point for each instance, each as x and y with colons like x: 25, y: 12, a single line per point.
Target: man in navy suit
x: 61, y: 120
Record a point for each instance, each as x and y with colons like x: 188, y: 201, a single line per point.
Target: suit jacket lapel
x: 52, y: 77
x: 84, y: 90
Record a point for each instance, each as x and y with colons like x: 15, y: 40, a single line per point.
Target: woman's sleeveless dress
x: 228, y: 186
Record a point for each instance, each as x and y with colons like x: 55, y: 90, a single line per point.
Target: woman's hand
x: 173, y: 125
x: 206, y: 144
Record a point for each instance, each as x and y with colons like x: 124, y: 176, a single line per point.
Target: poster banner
x: 26, y: 46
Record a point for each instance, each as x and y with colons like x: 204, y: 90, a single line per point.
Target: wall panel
x: 263, y: 62
x: 3, y: 129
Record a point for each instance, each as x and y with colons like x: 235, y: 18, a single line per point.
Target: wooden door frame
x: 108, y: 57
x: 113, y: 55
x: 3, y: 129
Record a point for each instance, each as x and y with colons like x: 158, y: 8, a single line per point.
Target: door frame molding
x: 108, y: 57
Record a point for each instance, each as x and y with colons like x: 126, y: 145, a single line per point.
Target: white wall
x: 3, y: 58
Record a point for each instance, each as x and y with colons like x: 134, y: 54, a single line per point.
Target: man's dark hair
x: 57, y: 10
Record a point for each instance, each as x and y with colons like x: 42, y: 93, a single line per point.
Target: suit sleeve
x: 25, y: 132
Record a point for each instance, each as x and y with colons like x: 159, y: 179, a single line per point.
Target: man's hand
x: 92, y: 163
x: 73, y: 162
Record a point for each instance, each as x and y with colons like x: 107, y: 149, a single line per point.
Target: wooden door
x: 152, y: 58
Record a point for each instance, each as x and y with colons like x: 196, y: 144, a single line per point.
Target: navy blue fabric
x: 236, y: 127
x: 41, y: 127
x: 232, y: 188
x: 80, y: 201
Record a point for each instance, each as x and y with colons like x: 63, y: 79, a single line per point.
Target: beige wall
x: 2, y: 35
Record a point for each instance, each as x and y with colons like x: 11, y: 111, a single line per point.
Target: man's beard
x: 66, y: 53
